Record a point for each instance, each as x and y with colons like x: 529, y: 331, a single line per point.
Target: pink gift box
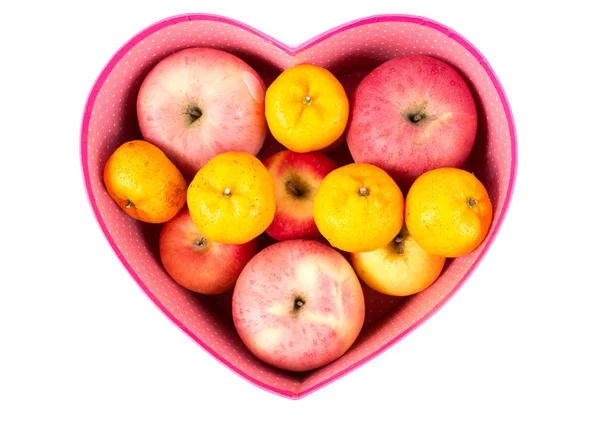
x: 348, y: 51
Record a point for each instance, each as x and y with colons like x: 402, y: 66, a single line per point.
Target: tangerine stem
x: 472, y: 202
x: 307, y: 100
x: 227, y: 192
x: 363, y: 191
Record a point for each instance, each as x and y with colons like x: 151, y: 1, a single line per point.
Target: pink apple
x: 297, y: 177
x: 298, y: 305
x: 195, y: 263
x: 412, y: 114
x: 199, y: 102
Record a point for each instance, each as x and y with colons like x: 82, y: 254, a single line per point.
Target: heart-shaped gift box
x: 348, y: 50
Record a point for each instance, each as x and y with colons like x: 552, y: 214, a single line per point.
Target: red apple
x: 199, y: 102
x: 194, y: 262
x: 412, y: 114
x: 297, y: 177
x: 298, y: 305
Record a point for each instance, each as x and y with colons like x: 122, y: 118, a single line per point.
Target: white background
x: 81, y: 345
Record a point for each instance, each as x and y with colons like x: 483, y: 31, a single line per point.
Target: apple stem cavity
x: 416, y: 117
x: 227, y: 192
x: 472, y: 202
x: 194, y: 113
x: 399, y: 244
x: 201, y: 243
x: 363, y: 191
x: 400, y: 240
x: 307, y: 100
x: 298, y: 303
x: 292, y: 188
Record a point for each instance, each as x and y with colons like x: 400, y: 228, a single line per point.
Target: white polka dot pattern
x: 110, y: 120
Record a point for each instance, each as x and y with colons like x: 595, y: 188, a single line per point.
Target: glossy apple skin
x: 210, y: 268
x: 401, y: 268
x: 274, y: 328
x: 226, y: 90
x: 382, y: 129
x: 294, y: 213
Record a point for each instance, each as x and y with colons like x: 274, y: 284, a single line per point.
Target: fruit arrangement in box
x: 363, y: 185
x: 221, y: 126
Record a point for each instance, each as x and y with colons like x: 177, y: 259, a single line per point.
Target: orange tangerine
x: 306, y: 108
x: 448, y: 212
x: 232, y: 198
x: 358, y: 208
x: 144, y: 182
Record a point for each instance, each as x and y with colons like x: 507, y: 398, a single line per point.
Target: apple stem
x: 290, y: 185
x: 129, y: 204
x: 363, y: 191
x: 227, y: 192
x: 298, y: 303
x: 399, y: 244
x: 201, y: 242
x: 472, y: 202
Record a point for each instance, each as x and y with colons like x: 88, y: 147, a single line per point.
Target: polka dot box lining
x: 358, y: 46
